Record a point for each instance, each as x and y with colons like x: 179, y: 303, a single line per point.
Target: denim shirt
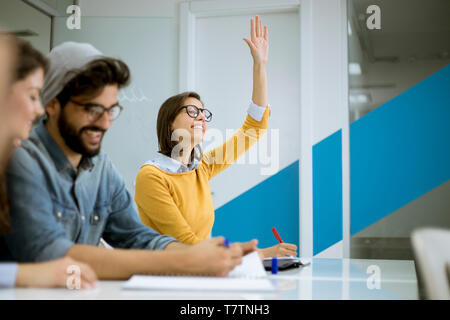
x: 54, y: 205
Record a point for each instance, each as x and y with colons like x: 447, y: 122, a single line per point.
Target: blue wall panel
x: 327, y: 192
x: 272, y: 203
x: 400, y: 151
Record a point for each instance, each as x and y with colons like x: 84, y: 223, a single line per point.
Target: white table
x: 323, y: 279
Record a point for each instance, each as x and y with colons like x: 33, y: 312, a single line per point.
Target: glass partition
x: 399, y: 114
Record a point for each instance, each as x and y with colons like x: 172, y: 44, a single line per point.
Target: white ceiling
x: 409, y: 28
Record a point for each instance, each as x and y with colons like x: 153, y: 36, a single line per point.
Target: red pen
x: 275, y: 233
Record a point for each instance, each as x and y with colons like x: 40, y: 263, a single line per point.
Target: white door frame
x: 190, y: 11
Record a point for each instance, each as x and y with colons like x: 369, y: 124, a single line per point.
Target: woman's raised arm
x: 259, y: 48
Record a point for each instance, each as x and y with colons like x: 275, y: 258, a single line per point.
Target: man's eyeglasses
x: 96, y: 111
x: 194, y: 111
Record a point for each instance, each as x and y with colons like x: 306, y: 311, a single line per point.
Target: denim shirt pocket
x: 97, y: 221
x: 66, y: 217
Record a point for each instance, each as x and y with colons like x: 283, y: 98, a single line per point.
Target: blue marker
x: 274, y: 268
x: 226, y: 243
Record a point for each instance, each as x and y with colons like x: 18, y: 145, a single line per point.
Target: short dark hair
x: 90, y: 80
x: 28, y: 59
x: 166, y: 115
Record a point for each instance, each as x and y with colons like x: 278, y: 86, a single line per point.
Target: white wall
x: 149, y: 47
x: 132, y: 8
x: 16, y: 16
x: 329, y: 50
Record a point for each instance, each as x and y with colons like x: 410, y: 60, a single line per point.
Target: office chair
x: 448, y: 273
x: 431, y: 248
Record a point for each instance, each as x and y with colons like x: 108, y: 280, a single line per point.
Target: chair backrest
x: 431, y: 247
x: 448, y: 273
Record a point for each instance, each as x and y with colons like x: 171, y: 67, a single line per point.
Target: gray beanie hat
x: 63, y: 58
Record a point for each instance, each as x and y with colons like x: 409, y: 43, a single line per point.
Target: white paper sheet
x: 248, y: 276
x: 251, y: 267
x: 197, y: 283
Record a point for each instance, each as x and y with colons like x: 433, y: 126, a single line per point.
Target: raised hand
x: 259, y: 43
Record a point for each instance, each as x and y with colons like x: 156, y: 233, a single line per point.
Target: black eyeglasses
x: 95, y: 111
x: 194, y: 111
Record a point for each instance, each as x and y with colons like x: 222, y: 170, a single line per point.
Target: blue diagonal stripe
x: 400, y: 151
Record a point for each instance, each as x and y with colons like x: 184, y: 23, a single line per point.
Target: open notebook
x: 248, y: 276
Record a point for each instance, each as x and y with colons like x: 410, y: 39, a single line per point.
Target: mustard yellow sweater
x: 180, y: 204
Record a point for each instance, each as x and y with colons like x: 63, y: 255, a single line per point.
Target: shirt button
x: 82, y: 218
x: 95, y: 218
x: 59, y: 214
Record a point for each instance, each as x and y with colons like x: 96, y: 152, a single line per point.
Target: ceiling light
x: 359, y: 98
x: 354, y: 68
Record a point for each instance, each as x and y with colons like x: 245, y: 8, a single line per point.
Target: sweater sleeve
x: 226, y: 154
x: 156, y: 204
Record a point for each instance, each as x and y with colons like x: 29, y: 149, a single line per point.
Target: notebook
x: 248, y: 276
x: 251, y: 267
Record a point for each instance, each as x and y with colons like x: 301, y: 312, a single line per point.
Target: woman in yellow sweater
x: 172, y: 190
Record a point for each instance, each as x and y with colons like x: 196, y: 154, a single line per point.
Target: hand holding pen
x: 282, y: 249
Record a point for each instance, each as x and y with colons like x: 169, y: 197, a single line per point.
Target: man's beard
x: 73, y: 138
